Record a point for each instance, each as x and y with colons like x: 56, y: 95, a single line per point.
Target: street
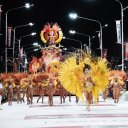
x: 67, y: 115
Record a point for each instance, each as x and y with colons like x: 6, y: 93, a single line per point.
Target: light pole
x: 26, y: 49
x: 74, y: 16
x: 75, y: 41
x: 27, y: 5
x: 34, y: 45
x: 122, y: 31
x: 20, y: 56
x: 89, y: 37
x: 32, y: 34
x: 31, y: 50
x: 14, y: 34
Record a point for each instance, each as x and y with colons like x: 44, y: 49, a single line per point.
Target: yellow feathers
x: 71, y: 75
x: 100, y: 74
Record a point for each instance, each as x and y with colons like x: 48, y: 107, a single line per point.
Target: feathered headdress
x: 51, y: 29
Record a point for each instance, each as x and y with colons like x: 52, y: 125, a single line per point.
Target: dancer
x: 116, y: 84
x: 1, y: 92
x: 40, y: 92
x: 29, y: 93
x: 18, y: 93
x: 10, y: 92
x: 51, y: 89
x: 88, y: 92
x: 23, y: 93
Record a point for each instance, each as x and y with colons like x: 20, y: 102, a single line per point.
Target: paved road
x: 67, y: 115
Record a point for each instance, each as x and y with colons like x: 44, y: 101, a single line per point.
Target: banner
x: 118, y: 31
x: 9, y: 36
x: 126, y: 50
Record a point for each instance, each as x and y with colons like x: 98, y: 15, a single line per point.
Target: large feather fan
x: 70, y: 76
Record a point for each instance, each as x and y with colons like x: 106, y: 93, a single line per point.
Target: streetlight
x: 89, y: 37
x: 32, y: 34
x: 14, y: 34
x: 122, y: 31
x: 35, y: 44
x: 27, y: 5
x: 106, y: 25
x: 38, y: 46
x: 74, y: 16
x: 75, y: 41
x: 31, y: 50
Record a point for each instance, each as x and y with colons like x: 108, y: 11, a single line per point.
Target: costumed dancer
x: 41, y: 88
x: 117, y: 79
x: 18, y: 93
x: 71, y: 76
x: 24, y: 83
x: 40, y: 92
x: 10, y: 92
x: 88, y: 92
x: 88, y: 85
x: 29, y: 93
x: 117, y: 87
x: 105, y: 94
x: 1, y: 92
x: 51, y: 89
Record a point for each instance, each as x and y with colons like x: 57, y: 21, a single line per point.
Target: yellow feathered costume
x: 100, y: 76
x: 6, y: 82
x: 71, y: 75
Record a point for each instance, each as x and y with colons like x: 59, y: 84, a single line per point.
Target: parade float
x: 49, y: 62
x: 51, y: 35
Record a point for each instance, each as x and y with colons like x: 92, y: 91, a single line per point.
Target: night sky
x: 43, y: 11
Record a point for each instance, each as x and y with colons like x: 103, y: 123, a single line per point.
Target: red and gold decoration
x: 34, y: 65
x: 51, y: 33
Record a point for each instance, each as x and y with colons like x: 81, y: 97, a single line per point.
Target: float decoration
x: 51, y: 34
x: 34, y: 65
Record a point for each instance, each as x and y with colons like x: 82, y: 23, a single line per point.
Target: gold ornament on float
x: 51, y: 34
